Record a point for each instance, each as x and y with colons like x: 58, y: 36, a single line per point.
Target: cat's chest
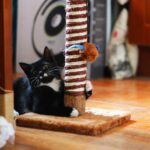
x: 54, y: 84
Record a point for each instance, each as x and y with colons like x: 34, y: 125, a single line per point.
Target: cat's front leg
x: 88, y: 89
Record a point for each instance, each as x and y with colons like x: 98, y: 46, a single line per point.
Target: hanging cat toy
x: 77, y: 53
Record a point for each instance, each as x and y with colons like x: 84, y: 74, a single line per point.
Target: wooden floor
x: 130, y: 95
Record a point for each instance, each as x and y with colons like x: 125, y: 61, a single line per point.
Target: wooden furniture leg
x: 6, y: 93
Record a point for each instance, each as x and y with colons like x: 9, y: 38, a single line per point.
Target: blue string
x: 76, y: 46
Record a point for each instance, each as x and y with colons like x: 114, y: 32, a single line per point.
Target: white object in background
x: 122, y: 2
x: 118, y: 60
x: 120, y: 29
x: 7, y: 132
x: 40, y: 23
x: 117, y: 54
x: 133, y: 55
x: 119, y: 63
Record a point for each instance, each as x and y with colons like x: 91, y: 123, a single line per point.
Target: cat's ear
x: 26, y: 67
x: 48, y: 55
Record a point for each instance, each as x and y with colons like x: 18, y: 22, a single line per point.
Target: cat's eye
x: 45, y: 67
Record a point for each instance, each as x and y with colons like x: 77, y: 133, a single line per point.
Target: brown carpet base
x: 93, y: 122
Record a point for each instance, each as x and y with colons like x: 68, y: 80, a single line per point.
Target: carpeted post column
x: 75, y: 66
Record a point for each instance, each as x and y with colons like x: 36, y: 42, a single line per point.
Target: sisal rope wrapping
x: 75, y: 66
x: 76, y: 22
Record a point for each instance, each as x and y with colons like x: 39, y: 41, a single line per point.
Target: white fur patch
x: 54, y: 84
x: 88, y: 86
x: 15, y: 113
x: 74, y: 113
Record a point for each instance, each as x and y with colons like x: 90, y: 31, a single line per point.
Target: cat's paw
x: 88, y: 86
x: 74, y: 113
x: 15, y: 113
x: 88, y: 89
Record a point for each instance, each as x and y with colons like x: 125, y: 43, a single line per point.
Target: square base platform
x: 93, y: 122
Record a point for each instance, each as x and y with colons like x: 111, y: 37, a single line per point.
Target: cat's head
x: 43, y: 70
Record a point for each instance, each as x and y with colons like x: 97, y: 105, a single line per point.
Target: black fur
x: 22, y: 95
x: 31, y: 93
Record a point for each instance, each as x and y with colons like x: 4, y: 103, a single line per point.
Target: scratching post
x: 75, y: 66
x: 77, y: 52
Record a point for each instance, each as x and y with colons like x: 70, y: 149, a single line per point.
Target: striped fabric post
x: 75, y: 67
x: 76, y: 22
x: 75, y: 71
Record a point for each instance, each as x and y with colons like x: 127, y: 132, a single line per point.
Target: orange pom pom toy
x: 90, y: 53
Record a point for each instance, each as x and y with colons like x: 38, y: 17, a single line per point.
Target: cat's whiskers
x: 33, y: 79
x: 37, y: 82
x: 54, y: 70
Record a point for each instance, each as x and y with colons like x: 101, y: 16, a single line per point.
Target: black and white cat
x: 42, y: 91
